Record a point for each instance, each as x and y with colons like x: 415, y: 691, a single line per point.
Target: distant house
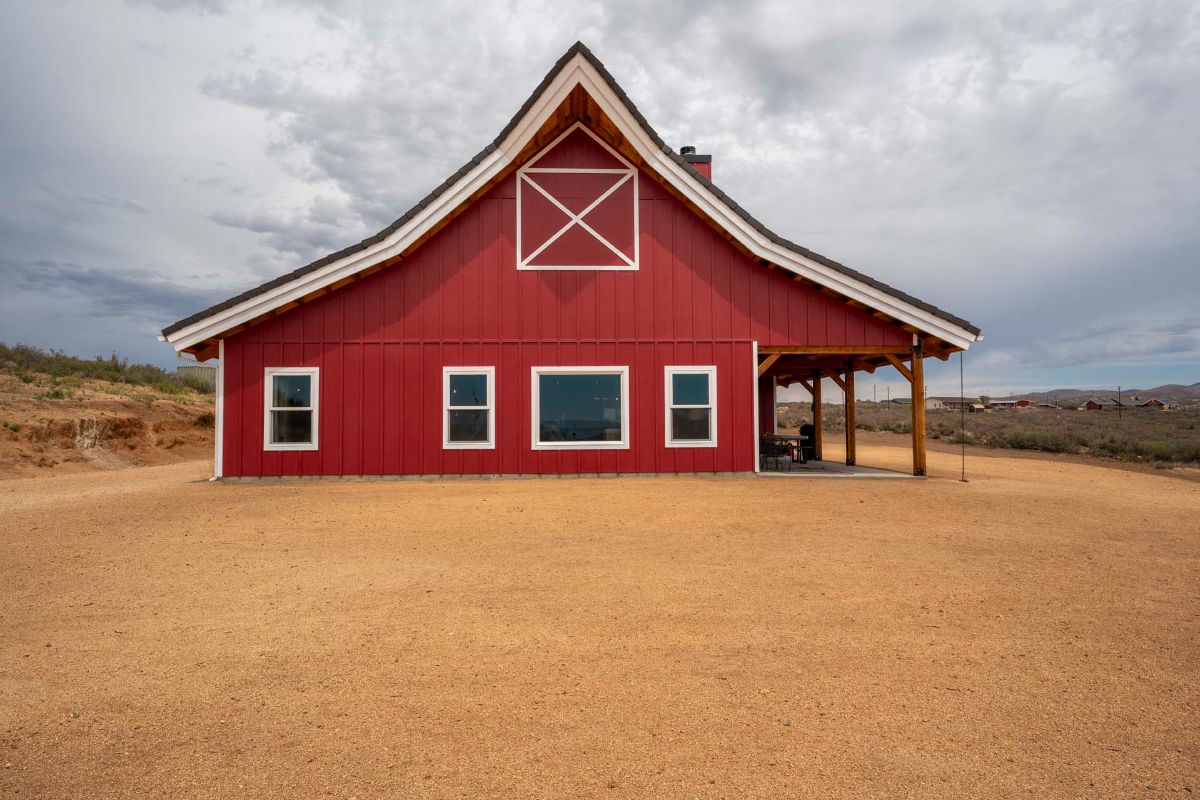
x: 1154, y: 402
x: 952, y: 403
x: 1010, y: 403
x: 1101, y: 404
x: 1048, y: 405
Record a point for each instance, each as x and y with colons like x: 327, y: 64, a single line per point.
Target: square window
x: 468, y: 389
x: 689, y: 389
x: 468, y: 415
x: 691, y: 424
x: 469, y: 426
x: 691, y: 408
x: 290, y: 408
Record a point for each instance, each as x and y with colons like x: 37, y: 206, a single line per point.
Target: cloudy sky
x: 1030, y: 166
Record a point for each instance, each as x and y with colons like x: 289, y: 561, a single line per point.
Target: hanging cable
x: 962, y: 416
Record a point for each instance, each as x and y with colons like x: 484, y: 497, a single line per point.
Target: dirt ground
x: 1032, y: 633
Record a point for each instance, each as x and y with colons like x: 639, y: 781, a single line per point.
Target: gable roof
x: 578, y: 66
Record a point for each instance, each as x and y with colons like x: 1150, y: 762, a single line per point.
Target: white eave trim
x: 577, y: 71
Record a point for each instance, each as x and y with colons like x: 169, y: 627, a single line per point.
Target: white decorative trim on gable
x: 578, y: 71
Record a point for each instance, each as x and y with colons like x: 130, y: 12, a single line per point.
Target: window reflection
x: 580, y: 408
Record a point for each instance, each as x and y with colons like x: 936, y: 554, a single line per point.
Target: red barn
x: 578, y: 298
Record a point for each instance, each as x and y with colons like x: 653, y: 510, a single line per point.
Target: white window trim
x: 527, y: 175
x: 268, y: 380
x: 535, y: 408
x: 711, y: 372
x: 490, y: 373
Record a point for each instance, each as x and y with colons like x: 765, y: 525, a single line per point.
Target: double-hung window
x: 291, y: 408
x: 580, y: 408
x: 691, y: 406
x: 468, y: 408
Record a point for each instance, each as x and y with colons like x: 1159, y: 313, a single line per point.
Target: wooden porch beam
x: 818, y: 434
x: 834, y: 350
x: 766, y: 365
x: 851, y: 444
x: 918, y: 411
x: 833, y: 376
x: 899, y: 365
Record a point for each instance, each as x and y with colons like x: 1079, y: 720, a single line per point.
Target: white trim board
x: 578, y: 71
x: 755, y: 400
x: 219, y: 415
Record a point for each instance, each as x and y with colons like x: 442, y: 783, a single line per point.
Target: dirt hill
x: 53, y: 425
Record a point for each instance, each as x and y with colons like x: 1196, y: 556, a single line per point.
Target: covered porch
x: 783, y: 366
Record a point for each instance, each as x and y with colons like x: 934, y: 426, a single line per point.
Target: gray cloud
x: 205, y: 6
x: 136, y: 295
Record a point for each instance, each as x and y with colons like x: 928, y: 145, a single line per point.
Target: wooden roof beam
x: 899, y: 365
x: 766, y: 365
x: 836, y: 350
x: 833, y: 376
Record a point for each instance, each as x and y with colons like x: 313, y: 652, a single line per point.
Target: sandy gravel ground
x: 1033, y: 633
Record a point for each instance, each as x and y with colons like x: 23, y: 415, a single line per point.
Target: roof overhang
x: 578, y: 69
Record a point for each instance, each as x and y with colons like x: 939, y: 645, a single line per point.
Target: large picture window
x: 691, y: 400
x: 580, y: 408
x: 468, y: 400
x: 291, y: 408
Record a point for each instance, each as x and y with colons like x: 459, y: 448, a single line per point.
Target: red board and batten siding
x: 459, y: 300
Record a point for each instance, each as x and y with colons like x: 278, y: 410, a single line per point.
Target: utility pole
x: 874, y: 400
x: 1119, y: 404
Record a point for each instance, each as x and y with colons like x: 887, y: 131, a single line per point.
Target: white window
x: 580, y: 408
x: 290, y: 406
x: 691, y: 404
x: 468, y: 400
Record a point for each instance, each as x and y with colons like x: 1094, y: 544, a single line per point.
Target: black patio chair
x: 808, y: 447
x: 771, y: 448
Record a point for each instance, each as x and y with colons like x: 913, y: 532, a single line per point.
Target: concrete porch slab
x: 831, y: 469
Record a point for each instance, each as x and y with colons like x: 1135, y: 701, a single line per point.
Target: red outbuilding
x: 578, y: 298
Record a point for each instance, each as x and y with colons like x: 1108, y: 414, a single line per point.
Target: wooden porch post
x: 918, y: 410
x: 851, y: 453
x: 817, y: 425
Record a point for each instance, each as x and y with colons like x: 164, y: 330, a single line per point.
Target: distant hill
x: 1168, y: 393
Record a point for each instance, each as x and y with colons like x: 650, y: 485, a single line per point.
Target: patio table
x: 793, y: 441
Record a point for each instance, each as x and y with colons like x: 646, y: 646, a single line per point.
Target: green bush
x: 24, y: 362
